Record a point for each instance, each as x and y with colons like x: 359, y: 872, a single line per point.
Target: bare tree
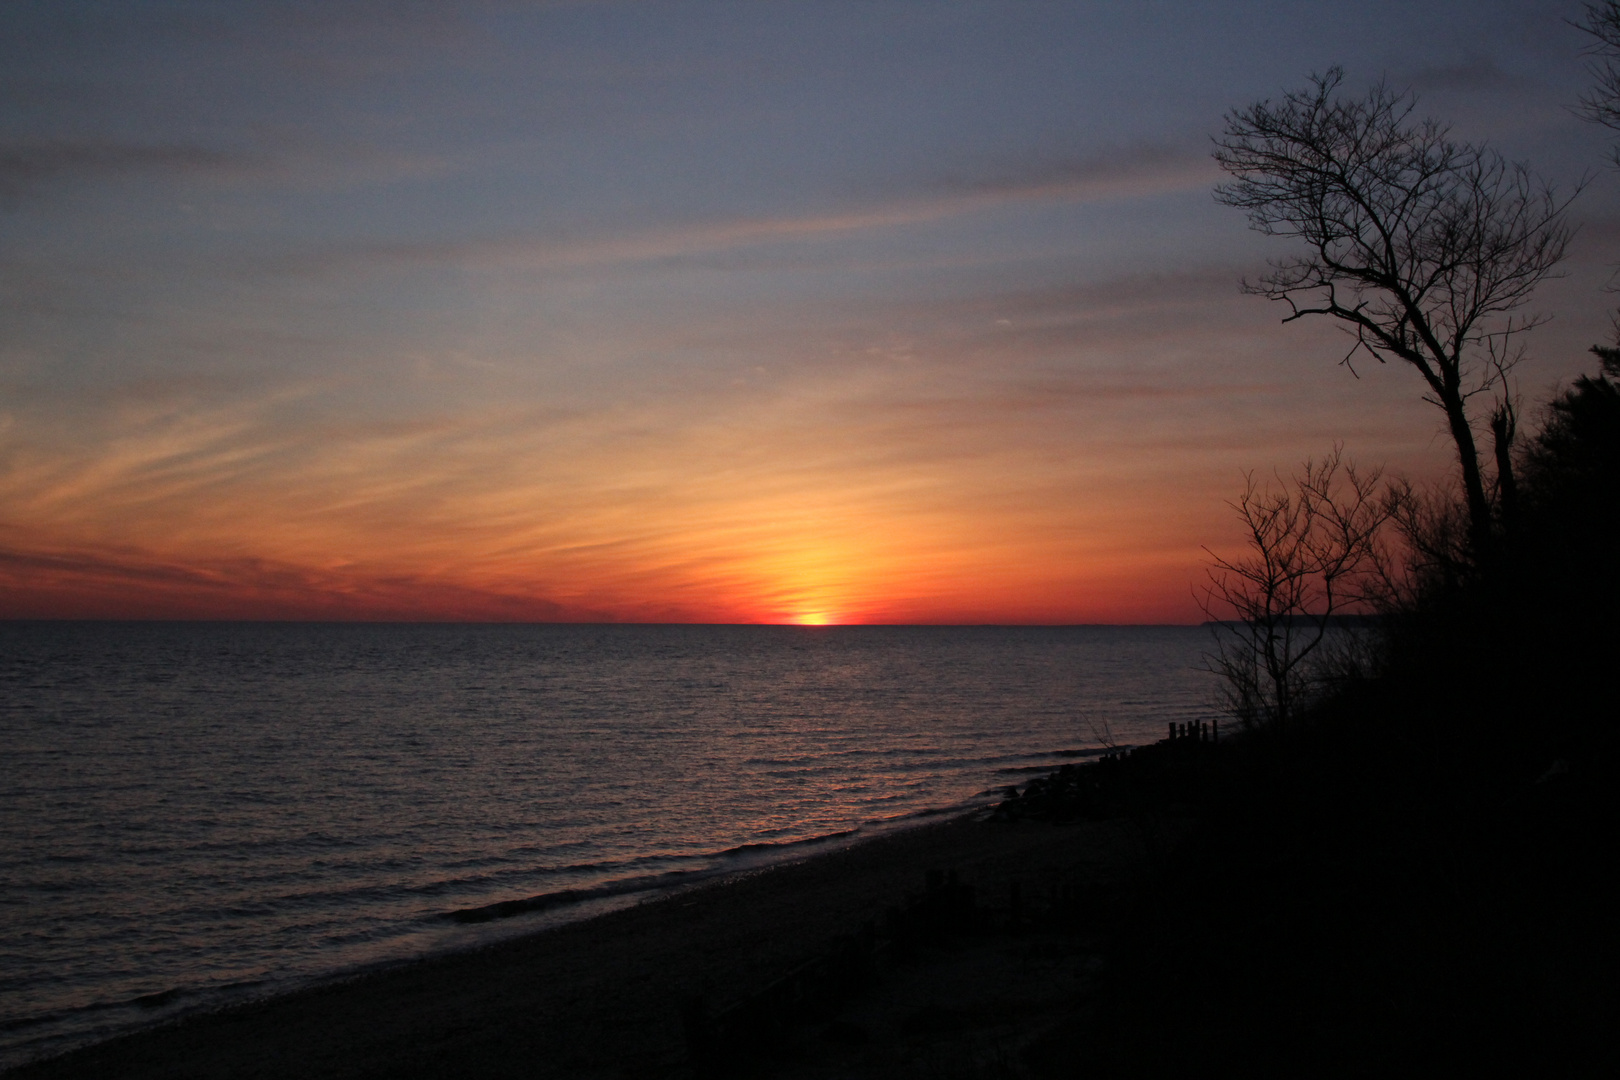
x: 1318, y: 549
x: 1423, y: 246
x: 1601, y: 104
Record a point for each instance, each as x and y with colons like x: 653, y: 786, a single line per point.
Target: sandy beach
x: 618, y: 995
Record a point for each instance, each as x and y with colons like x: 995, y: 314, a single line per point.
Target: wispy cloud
x: 1472, y: 73
x: 1122, y: 172
x: 830, y: 487
x: 113, y: 581
x: 31, y: 167
x: 477, y: 309
x: 1134, y: 173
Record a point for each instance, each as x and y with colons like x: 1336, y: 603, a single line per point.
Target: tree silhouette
x: 1601, y: 104
x: 1423, y: 246
x: 1317, y: 550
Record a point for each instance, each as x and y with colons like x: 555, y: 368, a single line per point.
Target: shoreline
x: 475, y: 929
x: 279, y: 896
x: 605, y: 993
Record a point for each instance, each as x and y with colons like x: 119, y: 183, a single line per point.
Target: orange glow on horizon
x: 761, y: 519
x: 893, y: 586
x: 943, y: 380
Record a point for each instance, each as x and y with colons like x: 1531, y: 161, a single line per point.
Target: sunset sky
x: 719, y: 312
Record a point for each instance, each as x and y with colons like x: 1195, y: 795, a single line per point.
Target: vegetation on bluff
x: 1401, y: 863
x: 1405, y: 864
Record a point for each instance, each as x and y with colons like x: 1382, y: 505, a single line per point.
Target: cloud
x: 34, y: 168
x: 1133, y: 173
x: 1114, y: 295
x: 127, y: 582
x: 1119, y: 173
x: 1470, y: 74
x: 29, y: 166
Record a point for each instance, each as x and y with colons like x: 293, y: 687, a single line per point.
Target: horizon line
x: 580, y: 622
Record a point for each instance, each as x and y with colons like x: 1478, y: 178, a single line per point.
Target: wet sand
x: 605, y: 998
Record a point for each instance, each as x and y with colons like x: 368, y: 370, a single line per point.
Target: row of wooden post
x: 1196, y: 731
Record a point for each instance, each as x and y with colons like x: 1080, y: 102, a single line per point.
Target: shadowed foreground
x: 1315, y: 900
x: 628, y: 993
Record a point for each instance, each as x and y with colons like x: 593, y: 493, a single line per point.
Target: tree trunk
x: 1503, y: 427
x: 1479, y: 506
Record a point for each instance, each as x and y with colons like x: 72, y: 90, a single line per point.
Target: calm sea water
x: 193, y: 813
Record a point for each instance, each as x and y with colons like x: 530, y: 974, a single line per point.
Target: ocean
x: 193, y: 814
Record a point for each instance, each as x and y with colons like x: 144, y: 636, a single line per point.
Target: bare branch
x: 1601, y: 104
x: 1316, y: 549
x: 1423, y: 246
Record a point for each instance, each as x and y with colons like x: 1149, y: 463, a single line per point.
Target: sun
x: 813, y: 618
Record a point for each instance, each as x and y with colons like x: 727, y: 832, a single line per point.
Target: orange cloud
x: 949, y: 470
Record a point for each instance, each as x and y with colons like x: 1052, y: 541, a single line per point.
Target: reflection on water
x: 189, y: 808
